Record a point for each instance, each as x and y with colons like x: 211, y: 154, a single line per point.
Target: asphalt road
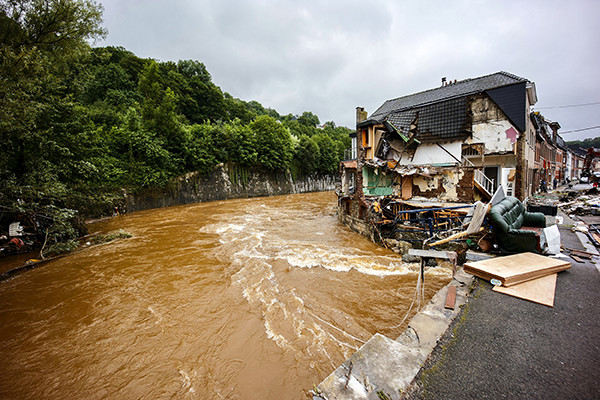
x: 501, y: 347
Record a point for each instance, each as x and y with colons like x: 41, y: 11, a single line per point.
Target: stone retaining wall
x: 227, y: 181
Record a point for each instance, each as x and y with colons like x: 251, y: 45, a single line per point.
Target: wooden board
x: 540, y: 290
x: 517, y: 268
x: 450, y: 297
x: 577, y: 258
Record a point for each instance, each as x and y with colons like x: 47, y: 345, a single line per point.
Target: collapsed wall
x: 227, y: 181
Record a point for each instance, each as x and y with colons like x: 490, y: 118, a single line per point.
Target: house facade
x: 553, y: 160
x: 454, y: 144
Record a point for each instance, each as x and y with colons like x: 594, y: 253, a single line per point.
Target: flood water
x: 241, y: 299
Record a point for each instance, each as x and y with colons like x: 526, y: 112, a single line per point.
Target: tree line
x: 577, y: 145
x: 79, y: 123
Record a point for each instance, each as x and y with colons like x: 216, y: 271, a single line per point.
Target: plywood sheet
x: 540, y: 290
x: 517, y: 268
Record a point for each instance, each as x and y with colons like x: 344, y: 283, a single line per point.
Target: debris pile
x: 582, y: 205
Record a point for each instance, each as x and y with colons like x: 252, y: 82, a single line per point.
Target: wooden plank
x: 582, y: 252
x: 517, y: 268
x: 577, y: 258
x: 450, y: 297
x: 540, y: 290
x: 581, y: 255
x: 595, y: 236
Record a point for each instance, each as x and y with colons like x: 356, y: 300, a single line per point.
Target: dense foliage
x: 577, y: 145
x: 78, y: 123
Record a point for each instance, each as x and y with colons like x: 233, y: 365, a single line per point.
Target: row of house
x: 553, y: 159
x: 456, y: 143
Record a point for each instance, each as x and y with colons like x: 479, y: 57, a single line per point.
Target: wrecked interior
x: 423, y: 160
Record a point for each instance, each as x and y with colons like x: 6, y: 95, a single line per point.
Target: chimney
x: 443, y: 81
x: 361, y: 115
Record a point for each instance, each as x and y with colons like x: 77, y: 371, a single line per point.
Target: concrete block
x: 387, y: 366
x: 382, y: 366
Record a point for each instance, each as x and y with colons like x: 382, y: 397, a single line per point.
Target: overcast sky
x: 329, y: 57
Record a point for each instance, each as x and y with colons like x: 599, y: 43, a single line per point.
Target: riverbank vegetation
x: 80, y: 124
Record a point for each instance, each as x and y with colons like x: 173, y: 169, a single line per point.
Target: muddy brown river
x: 242, y: 299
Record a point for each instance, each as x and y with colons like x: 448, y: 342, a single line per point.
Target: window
x: 365, y: 138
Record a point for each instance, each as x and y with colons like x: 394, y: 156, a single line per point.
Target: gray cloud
x: 330, y: 56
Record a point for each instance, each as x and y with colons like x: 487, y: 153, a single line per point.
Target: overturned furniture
x: 516, y: 230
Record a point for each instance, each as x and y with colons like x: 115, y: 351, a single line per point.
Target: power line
x: 568, y: 106
x: 580, y: 130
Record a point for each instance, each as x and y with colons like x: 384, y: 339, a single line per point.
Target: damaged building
x: 443, y: 147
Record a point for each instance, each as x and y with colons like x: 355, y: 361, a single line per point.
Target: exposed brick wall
x: 464, y: 189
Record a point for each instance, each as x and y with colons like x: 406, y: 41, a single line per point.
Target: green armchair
x: 516, y: 229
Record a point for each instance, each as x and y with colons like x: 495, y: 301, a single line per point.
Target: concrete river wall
x: 227, y: 181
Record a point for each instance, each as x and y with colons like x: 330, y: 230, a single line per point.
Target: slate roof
x: 459, y: 89
x: 443, y: 120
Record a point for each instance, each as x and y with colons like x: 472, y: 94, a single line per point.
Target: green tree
x: 197, y: 98
x: 273, y: 143
x: 58, y: 27
x: 235, y: 108
x: 151, y: 90
x: 239, y: 143
x: 112, y: 85
x: 38, y: 42
x: 297, y: 129
x: 45, y: 135
x: 308, y: 119
x: 328, y: 159
x: 307, y: 154
x: 200, y: 154
x: 194, y: 69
